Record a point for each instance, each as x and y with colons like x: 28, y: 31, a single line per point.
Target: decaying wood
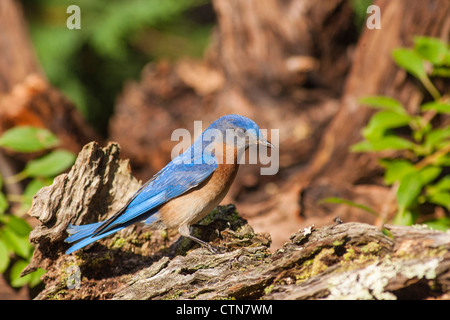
x: 339, y: 261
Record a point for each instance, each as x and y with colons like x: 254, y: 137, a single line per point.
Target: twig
x: 432, y: 158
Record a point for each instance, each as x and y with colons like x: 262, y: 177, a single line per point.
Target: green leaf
x: 350, y: 203
x: 32, y: 279
x: 113, y: 26
x: 440, y: 198
x: 437, y: 138
x: 410, y: 61
x: 439, y: 107
x: 411, y: 185
x: 428, y: 174
x: 432, y: 49
x: 4, y: 257
x: 441, y: 72
x: 389, y: 142
x: 383, y: 102
x: 439, y: 193
x: 49, y: 165
x: 408, y: 190
x: 16, y: 280
x: 443, y: 184
x: 384, y: 120
x: 392, y: 142
x: 443, y: 161
x: 439, y: 224
x: 15, y: 243
x: 405, y: 218
x: 28, y: 139
x: 363, y: 146
x: 396, y: 170
x: 19, y: 226
x: 35, y: 277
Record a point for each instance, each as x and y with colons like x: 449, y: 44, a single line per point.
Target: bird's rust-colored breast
x: 195, y: 204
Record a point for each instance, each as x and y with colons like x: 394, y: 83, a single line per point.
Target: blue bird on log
x: 185, y: 190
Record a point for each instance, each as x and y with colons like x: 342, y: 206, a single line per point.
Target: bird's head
x: 238, y: 131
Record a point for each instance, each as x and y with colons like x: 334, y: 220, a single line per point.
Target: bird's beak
x: 264, y: 142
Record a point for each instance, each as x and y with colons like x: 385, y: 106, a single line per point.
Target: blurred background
x: 137, y: 70
x: 116, y: 40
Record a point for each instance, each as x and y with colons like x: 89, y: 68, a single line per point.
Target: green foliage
x: 15, y: 249
x: 117, y: 38
x: 49, y: 165
x: 14, y: 243
x: 28, y: 139
x: 420, y: 172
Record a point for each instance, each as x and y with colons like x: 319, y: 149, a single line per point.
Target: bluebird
x: 185, y: 190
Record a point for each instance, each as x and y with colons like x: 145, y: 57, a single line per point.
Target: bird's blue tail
x: 88, y: 233
x: 85, y: 234
x: 80, y: 232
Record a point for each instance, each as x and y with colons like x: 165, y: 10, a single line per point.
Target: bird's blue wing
x: 175, y: 179
x: 180, y: 175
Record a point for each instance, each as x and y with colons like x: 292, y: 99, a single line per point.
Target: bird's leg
x: 184, y: 231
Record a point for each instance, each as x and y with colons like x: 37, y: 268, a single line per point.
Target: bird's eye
x: 240, y: 132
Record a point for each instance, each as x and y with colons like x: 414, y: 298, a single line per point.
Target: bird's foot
x: 215, y: 249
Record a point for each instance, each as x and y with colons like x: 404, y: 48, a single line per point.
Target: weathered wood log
x: 340, y: 261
